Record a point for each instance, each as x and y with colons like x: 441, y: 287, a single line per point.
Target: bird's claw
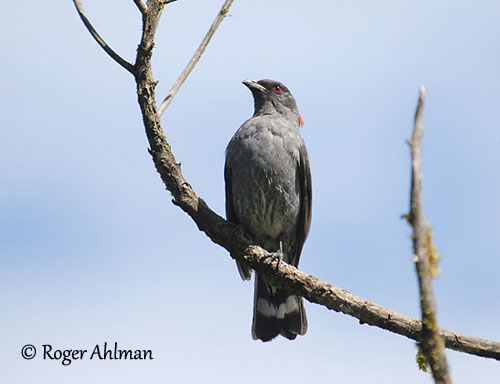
x: 276, y: 256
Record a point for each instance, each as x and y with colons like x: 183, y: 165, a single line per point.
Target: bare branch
x: 220, y: 16
x: 223, y: 233
x: 430, y: 341
x: 140, y: 6
x: 240, y: 247
x: 116, y: 57
x: 367, y: 312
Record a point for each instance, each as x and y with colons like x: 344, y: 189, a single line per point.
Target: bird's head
x: 272, y: 96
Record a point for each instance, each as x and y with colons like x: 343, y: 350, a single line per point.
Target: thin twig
x: 223, y: 233
x: 220, y: 16
x: 140, y: 6
x: 430, y: 341
x: 116, y: 57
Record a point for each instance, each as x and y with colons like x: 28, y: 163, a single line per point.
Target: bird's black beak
x: 254, y: 86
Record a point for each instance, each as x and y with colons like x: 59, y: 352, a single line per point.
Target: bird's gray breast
x: 263, y: 158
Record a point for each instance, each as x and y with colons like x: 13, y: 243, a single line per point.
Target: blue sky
x: 92, y: 250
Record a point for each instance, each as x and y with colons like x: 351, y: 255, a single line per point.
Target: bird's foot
x: 276, y: 256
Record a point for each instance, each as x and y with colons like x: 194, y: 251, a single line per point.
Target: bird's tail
x: 276, y: 311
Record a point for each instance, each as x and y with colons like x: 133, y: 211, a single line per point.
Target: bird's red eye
x: 277, y: 89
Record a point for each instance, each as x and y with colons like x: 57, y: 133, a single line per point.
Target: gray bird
x: 268, y: 193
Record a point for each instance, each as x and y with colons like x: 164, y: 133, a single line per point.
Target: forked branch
x: 240, y: 247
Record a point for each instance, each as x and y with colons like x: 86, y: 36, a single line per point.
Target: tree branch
x: 220, y: 16
x: 116, y: 57
x: 240, y: 247
x: 140, y: 6
x: 425, y: 258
